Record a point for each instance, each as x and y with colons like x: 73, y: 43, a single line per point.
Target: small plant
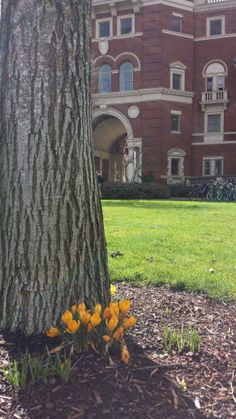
x: 40, y: 368
x: 17, y: 372
x: 181, y: 383
x: 180, y: 339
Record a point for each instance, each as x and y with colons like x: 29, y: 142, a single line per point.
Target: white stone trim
x: 216, y: 143
x: 177, y: 14
x: 117, y: 114
x: 177, y: 4
x: 103, y: 57
x: 130, y: 35
x: 212, y: 7
x: 119, y: 18
x: 176, y: 112
x: 211, y: 38
x: 177, y: 68
x: 105, y: 19
x: 211, y: 18
x: 212, y: 62
x: 174, y: 33
x: 143, y: 95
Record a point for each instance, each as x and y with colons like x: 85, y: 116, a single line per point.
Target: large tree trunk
x: 52, y: 239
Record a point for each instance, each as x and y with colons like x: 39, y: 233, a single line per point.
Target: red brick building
x: 164, y: 89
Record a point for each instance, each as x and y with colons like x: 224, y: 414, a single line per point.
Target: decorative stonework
x: 103, y: 46
x: 133, y: 112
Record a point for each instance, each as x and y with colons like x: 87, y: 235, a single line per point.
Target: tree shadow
x: 99, y: 389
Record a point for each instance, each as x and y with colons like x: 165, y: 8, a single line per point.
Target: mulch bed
x: 148, y: 387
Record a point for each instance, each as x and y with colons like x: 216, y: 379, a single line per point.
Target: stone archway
x: 117, y: 153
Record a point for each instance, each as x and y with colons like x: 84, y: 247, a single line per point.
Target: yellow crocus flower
x: 106, y: 338
x: 124, y: 306
x: 125, y: 354
x: 73, y: 326
x: 66, y: 316
x: 98, y: 309
x: 114, y: 308
x: 74, y: 308
x: 52, y: 332
x: 113, y: 289
x: 85, y: 317
x: 118, y: 334
x: 95, y: 319
x: 81, y: 307
x: 112, y: 323
x: 130, y: 322
x: 107, y: 313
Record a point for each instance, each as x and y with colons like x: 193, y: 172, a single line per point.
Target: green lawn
x: 174, y: 242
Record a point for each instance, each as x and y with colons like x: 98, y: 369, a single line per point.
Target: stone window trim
x: 119, y: 19
x: 105, y: 19
x: 215, y: 70
x: 208, y: 25
x: 176, y: 153
x: 177, y: 68
x: 180, y: 18
x: 212, y: 166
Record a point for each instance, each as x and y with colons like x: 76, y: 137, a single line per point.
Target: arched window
x: 126, y: 76
x: 215, y: 77
x: 104, y: 80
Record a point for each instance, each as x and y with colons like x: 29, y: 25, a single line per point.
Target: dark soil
x: 148, y: 387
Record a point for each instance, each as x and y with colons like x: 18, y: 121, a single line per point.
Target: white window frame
x: 181, y: 17
x: 119, y: 18
x: 105, y: 19
x: 209, y: 19
x: 212, y: 159
x: 214, y: 137
x: 182, y: 73
x: 176, y: 113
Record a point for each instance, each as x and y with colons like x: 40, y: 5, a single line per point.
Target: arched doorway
x: 117, y: 153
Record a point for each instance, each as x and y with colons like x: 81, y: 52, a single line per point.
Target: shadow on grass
x: 97, y: 389
x: 162, y: 204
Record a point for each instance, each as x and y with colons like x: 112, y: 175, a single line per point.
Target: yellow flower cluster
x: 112, y: 320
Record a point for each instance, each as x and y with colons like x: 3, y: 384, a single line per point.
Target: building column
x: 133, y: 171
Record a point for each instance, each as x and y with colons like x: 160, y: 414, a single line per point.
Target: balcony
x: 214, y: 98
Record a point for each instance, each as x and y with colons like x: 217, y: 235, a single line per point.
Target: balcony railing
x: 216, y: 97
x: 215, y: 1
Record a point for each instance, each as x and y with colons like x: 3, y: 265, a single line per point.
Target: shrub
x: 135, y: 191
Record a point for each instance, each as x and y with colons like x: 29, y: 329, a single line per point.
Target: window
x: 209, y: 84
x: 126, y: 26
x: 175, y: 122
x: 177, y: 23
x: 215, y: 74
x: 104, y: 28
x: 213, y: 166
x: 213, y: 123
x: 175, y: 163
x: 175, y: 167
x: 126, y: 76
x: 216, y: 26
x: 207, y: 167
x: 104, y: 79
x: 177, y: 81
x: 177, y: 75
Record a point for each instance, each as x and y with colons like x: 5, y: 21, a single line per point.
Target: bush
x: 135, y: 191
x: 180, y: 191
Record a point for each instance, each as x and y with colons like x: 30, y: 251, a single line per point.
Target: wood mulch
x: 148, y: 387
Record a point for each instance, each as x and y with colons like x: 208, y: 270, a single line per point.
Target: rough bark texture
x: 52, y: 238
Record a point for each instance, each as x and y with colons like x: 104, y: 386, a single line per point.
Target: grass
x: 174, y: 242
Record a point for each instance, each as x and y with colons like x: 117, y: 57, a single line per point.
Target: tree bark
x: 52, y: 246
